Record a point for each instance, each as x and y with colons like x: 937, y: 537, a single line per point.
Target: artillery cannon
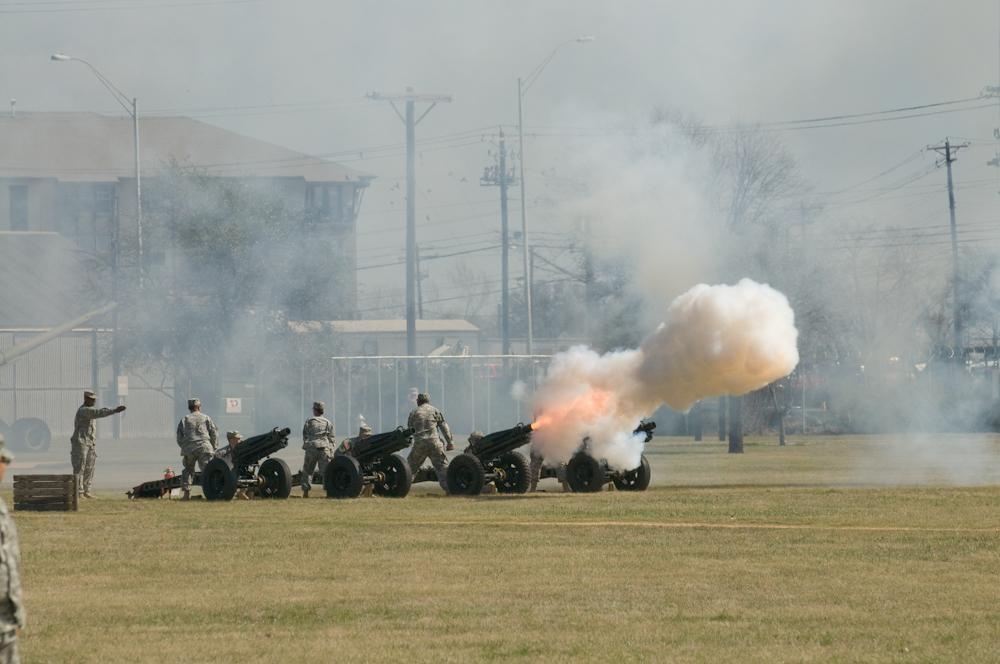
x: 587, y: 474
x: 371, y: 461
x: 240, y: 467
x: 491, y: 459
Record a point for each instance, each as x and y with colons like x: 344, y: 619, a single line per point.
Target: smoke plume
x: 715, y: 340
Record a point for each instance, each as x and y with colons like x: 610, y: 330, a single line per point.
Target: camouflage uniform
x: 83, y: 443
x: 347, y: 445
x: 11, y: 604
x: 426, y: 420
x: 535, y: 472
x: 196, y: 436
x: 318, y: 440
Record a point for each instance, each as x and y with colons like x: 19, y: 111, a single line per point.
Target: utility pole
x: 420, y: 285
x: 947, y: 150
x: 411, y: 122
x: 498, y: 176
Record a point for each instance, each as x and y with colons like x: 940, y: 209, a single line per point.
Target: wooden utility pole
x: 498, y: 176
x: 411, y: 122
x: 947, y: 150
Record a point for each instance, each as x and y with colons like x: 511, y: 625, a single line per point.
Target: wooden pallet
x: 45, y: 493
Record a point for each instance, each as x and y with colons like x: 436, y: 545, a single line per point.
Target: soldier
x: 11, y: 604
x: 426, y: 421
x: 347, y: 447
x: 318, y: 442
x: 474, y: 438
x: 535, y: 472
x: 196, y: 436
x: 83, y: 443
x: 234, y: 438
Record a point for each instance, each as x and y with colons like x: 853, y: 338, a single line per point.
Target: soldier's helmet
x: 423, y: 398
x: 194, y: 403
x: 476, y: 436
x: 5, y: 456
x: 89, y: 394
x: 233, y: 436
x: 364, y: 431
x: 319, y: 406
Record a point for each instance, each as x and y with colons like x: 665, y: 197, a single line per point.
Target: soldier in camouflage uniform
x: 535, y: 472
x: 347, y: 446
x: 318, y: 442
x: 197, y: 438
x: 83, y: 450
x: 474, y: 437
x: 11, y: 604
x: 426, y: 421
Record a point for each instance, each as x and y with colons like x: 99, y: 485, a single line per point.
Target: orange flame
x: 587, y: 407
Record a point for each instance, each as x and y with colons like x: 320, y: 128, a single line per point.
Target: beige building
x: 73, y: 174
x: 66, y: 184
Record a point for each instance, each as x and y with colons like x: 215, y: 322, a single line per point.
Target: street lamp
x: 522, y: 86
x: 130, y: 107
x: 129, y: 104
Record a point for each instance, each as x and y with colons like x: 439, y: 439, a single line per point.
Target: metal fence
x: 48, y: 382
x: 485, y: 392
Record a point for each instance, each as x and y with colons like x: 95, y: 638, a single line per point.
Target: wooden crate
x: 45, y: 492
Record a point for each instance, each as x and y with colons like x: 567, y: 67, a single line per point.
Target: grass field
x: 776, y: 555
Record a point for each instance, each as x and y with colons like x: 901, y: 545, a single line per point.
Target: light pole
x: 522, y: 86
x: 130, y: 107
x: 129, y: 104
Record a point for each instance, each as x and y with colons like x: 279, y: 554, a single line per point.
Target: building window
x: 18, y: 207
x: 324, y: 203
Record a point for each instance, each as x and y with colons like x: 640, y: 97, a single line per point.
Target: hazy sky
x: 295, y: 72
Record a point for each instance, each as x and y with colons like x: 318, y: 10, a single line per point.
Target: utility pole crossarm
x: 412, y: 278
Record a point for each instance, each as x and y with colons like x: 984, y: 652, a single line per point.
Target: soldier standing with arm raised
x: 426, y: 421
x: 318, y: 442
x: 197, y: 437
x: 11, y: 604
x: 83, y: 443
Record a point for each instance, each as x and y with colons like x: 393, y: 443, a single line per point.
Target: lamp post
x: 522, y: 86
x: 129, y: 104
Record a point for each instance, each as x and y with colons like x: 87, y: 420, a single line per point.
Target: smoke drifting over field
x: 715, y: 340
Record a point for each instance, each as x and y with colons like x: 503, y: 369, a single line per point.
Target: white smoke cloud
x: 715, y: 340
x: 519, y: 390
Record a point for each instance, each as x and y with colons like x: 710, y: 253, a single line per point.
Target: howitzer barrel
x: 382, y: 444
x: 255, y: 448
x: 494, y: 444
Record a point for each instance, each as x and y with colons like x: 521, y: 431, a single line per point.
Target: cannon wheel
x: 466, y: 476
x: 342, y: 478
x: 636, y: 479
x: 398, y: 477
x: 218, y: 480
x: 584, y: 473
x: 516, y: 467
x: 31, y: 434
x: 276, y: 479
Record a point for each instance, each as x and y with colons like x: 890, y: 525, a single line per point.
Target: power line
x: 105, y: 6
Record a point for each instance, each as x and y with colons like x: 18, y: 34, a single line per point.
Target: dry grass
x: 755, y: 571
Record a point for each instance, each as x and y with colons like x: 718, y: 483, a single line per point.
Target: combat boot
x: 305, y: 493
x: 187, y: 495
x: 87, y: 494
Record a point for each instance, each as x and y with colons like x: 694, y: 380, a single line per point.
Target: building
x: 73, y: 174
x: 67, y: 187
